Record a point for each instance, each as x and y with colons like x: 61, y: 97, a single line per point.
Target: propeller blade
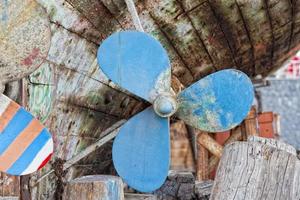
x: 136, y: 62
x: 141, y: 151
x: 25, y: 37
x: 25, y: 144
x: 218, y: 102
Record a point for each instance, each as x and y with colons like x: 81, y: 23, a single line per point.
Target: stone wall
x: 283, y: 97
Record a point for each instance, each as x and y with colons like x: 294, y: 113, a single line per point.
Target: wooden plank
x: 181, y: 151
x: 231, y: 22
x: 64, y: 15
x: 185, y: 40
x: 94, y: 187
x: 98, y: 15
x: 280, y: 24
x: 202, y: 162
x: 253, y: 15
x: 204, y: 21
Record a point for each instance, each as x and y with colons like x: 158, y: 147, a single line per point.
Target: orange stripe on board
x: 20, y: 144
x: 8, y: 114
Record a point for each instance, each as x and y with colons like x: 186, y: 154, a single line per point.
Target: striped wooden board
x: 25, y: 144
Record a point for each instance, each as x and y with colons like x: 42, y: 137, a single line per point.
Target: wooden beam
x: 94, y: 187
x: 210, y: 144
x: 202, y: 162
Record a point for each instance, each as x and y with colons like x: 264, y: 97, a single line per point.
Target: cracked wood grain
x: 232, y: 26
x: 257, y: 170
x: 183, y: 36
x: 213, y: 38
x: 198, y: 35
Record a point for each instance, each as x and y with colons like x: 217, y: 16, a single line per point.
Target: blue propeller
x: 138, y: 63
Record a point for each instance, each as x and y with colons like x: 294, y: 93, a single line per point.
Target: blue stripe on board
x: 18, y: 123
x: 29, y: 154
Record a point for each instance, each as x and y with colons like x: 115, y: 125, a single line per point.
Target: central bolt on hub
x: 165, y: 105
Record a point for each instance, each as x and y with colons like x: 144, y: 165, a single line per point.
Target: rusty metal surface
x: 24, y: 38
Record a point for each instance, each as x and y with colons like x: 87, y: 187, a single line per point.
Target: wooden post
x: 202, y: 161
x: 250, y: 123
x: 182, y: 158
x: 210, y: 144
x: 257, y: 169
x: 94, y: 187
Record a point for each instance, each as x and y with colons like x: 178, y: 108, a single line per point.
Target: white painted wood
x: 4, y: 102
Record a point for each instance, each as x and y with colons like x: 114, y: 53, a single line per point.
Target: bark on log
x: 94, y: 187
x: 257, y: 169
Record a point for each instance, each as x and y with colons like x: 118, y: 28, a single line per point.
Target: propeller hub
x: 165, y: 105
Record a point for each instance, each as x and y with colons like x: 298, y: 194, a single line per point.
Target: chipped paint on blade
x: 217, y: 102
x: 25, y: 144
x: 141, y: 151
x: 136, y: 62
x: 24, y: 38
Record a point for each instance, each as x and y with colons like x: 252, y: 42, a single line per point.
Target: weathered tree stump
x: 94, y: 187
x: 257, y: 169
